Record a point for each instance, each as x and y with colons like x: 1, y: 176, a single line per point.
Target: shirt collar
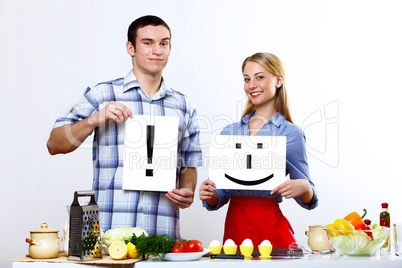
x: 130, y: 81
x: 276, y: 120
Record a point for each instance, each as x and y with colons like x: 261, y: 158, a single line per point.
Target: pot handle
x: 59, y: 239
x: 33, y: 241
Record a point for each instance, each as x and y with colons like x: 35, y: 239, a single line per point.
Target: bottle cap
x: 384, y: 205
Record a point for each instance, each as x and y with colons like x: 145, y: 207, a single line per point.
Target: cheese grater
x: 84, y: 236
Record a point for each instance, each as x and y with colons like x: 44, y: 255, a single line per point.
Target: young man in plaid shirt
x: 103, y: 110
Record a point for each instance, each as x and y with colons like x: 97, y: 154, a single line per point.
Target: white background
x: 342, y: 62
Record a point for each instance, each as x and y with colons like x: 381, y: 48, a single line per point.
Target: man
x: 103, y: 111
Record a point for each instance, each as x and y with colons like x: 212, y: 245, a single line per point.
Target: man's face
x: 152, y: 50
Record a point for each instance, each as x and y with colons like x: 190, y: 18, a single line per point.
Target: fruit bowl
x: 358, y: 242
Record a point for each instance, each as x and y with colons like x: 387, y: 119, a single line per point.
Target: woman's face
x: 260, y: 85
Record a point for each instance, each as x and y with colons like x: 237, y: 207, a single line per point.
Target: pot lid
x: 44, y: 229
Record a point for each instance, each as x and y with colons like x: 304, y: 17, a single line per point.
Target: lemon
x: 132, y: 251
x: 118, y: 250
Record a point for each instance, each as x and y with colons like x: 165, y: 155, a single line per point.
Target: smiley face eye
x: 259, y: 145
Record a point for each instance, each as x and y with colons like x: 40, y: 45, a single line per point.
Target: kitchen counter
x: 310, y: 261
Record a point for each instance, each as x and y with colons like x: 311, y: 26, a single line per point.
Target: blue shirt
x: 296, y: 158
x: 125, y: 208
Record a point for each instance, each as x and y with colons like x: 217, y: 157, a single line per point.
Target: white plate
x: 189, y: 256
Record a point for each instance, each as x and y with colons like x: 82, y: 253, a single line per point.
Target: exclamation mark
x: 150, y: 148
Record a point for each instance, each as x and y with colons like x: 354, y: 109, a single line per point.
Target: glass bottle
x: 385, y: 221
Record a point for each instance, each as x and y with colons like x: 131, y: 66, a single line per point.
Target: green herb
x: 152, y: 245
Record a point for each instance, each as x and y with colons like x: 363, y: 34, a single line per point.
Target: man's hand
x: 113, y: 111
x: 183, y: 198
x: 67, y: 138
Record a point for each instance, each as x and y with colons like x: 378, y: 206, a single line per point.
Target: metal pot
x: 44, y: 243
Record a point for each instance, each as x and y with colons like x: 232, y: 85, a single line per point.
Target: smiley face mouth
x: 249, y: 183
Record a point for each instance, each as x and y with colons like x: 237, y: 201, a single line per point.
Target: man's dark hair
x: 142, y: 22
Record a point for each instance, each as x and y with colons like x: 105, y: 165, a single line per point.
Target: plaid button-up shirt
x: 126, y: 208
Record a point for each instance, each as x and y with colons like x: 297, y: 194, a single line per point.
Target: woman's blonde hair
x: 274, y: 65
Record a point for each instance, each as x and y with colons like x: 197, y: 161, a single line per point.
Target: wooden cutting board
x: 62, y: 258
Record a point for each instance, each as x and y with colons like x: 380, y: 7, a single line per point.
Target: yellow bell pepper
x: 344, y: 225
x: 331, y: 226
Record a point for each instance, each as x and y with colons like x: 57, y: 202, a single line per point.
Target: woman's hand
x: 207, y: 192
x: 295, y: 188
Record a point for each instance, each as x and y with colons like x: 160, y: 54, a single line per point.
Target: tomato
x: 178, y: 249
x: 181, y: 243
x: 194, y: 246
x: 179, y: 246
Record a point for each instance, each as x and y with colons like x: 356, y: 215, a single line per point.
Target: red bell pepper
x: 365, y: 227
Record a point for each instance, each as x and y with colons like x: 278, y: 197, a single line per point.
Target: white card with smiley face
x: 247, y: 162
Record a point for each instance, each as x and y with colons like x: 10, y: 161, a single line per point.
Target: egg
x: 229, y: 243
x: 265, y: 243
x: 215, y: 247
x: 215, y: 243
x: 265, y: 249
x: 247, y: 242
x: 230, y: 247
x: 246, y: 248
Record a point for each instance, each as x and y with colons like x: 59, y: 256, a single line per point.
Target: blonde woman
x: 255, y: 214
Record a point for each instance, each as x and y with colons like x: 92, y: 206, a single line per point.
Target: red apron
x: 257, y: 218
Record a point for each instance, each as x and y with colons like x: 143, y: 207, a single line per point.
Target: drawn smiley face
x: 249, y: 166
x: 247, y: 162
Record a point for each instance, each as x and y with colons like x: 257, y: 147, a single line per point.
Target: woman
x: 255, y: 214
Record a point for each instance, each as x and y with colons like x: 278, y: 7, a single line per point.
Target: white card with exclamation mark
x: 150, y: 153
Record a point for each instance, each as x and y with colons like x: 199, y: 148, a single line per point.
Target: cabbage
x: 359, y: 243
x: 379, y: 236
x: 354, y: 244
x: 66, y: 231
x: 376, y: 226
x: 121, y: 234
